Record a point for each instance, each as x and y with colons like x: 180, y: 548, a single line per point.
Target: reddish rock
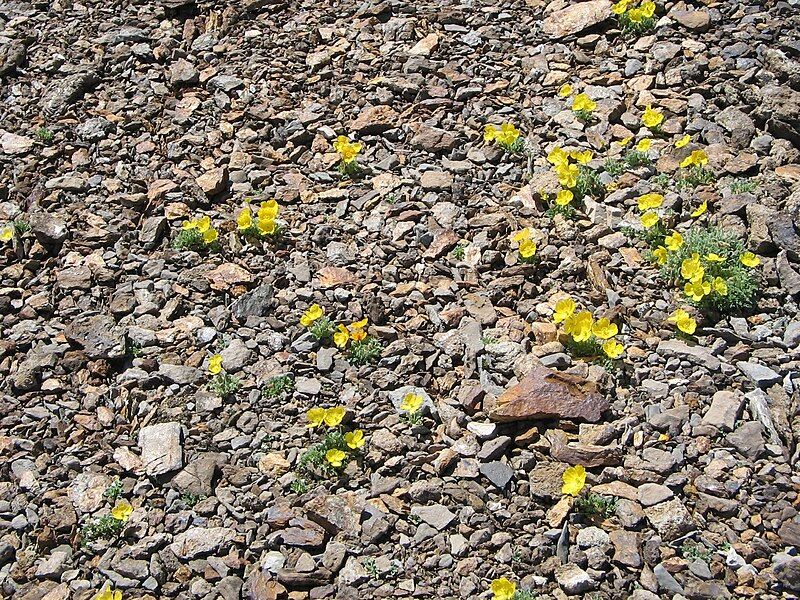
x: 375, y: 119
x: 548, y: 394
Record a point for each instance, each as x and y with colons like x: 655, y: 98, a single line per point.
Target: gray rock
x: 748, y: 439
x: 499, y: 473
x: 235, y: 356
x: 95, y: 129
x: 54, y: 565
x: 197, y: 541
x: 653, y: 493
x: 787, y: 572
x: 592, y: 537
x: 762, y: 376
x: 691, y: 352
x: 791, y: 336
x: 738, y: 125
x: 152, y: 231
x: 574, y: 580
x: 666, y: 581
x: 726, y: 406
x: 670, y: 518
x: 180, y: 374
x: 99, y: 336
x: 162, y: 448
x: 61, y: 94
x: 48, y: 228
x: 255, y: 303
x: 436, y: 515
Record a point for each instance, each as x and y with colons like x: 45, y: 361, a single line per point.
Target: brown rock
x: 696, y: 20
x: 339, y: 513
x: 214, y: 181
x: 335, y: 276
x: 548, y: 394
x: 375, y: 119
x: 227, y: 275
x: 588, y: 455
x: 576, y: 18
x: 443, y: 241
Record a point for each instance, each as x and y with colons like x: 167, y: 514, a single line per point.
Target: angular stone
x: 545, y: 480
x: 162, y: 448
x: 99, y: 336
x: 574, y: 580
x: 692, y: 352
x: 375, y: 119
x: 671, y: 519
x: 588, y: 455
x: 726, y: 406
x: 762, y: 376
x: 339, y: 513
x: 548, y: 394
x: 626, y: 548
x: 748, y: 439
x: 576, y: 18
x: 13, y: 144
x: 436, y: 515
x: 197, y: 541
x: 214, y: 181
x: 653, y: 493
x: 499, y: 473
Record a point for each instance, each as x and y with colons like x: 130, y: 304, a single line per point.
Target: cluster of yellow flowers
x: 683, y: 321
x: 634, y: 12
x: 647, y: 205
x: 348, y: 153
x: 527, y: 247
x: 507, y: 136
x: 108, y: 593
x: 698, y: 158
x: 583, y: 106
x: 311, y: 315
x: 263, y: 225
x: 568, y: 172
x: 202, y: 226
x: 353, y: 332
x: 352, y: 441
x: 361, y: 347
x: 582, y: 328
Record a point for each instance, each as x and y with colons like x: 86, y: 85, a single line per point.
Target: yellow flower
x: 579, y: 326
x: 359, y: 324
x: 6, y: 233
x: 565, y: 90
x: 245, y: 218
x: 620, y: 7
x: 190, y: 224
x: 354, y: 439
x: 635, y: 15
x: 558, y: 156
x: 489, y: 133
x: 203, y: 224
x: 574, y: 480
x: 660, y: 254
x: 613, y: 349
x: 215, y: 364
x: 625, y: 141
x: 564, y: 309
x: 527, y: 248
x: 684, y: 141
x: 697, y: 157
x: 582, y: 157
x: 584, y: 103
x: 720, y: 286
x: 508, y: 134
x: 521, y: 235
x: 315, y: 416
x: 358, y: 334
x: 108, y: 594
x: 335, y: 457
x: 684, y: 321
x: 696, y: 290
x: 314, y: 312
x: 268, y: 210
x: 650, y: 201
x: 267, y: 226
x: 644, y: 145
x: 568, y: 175
x: 652, y: 117
x: 692, y: 269
x: 503, y: 589
x: 712, y: 257
x: 604, y: 329
x: 122, y: 510
x: 674, y: 241
x: 412, y: 403
x: 334, y: 416
x: 700, y: 210
x: 748, y: 259
x: 347, y: 150
x: 564, y: 197
x: 648, y: 8
x: 210, y: 235
x: 342, y: 336
x: 649, y: 219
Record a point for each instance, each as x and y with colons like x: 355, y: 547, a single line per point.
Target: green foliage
x: 313, y: 460
x: 322, y: 329
x: 743, y: 186
x: 21, y: 226
x: 44, y: 135
x: 278, y: 387
x: 132, y: 349
x: 525, y: 595
x: 584, y: 116
x: 224, y: 385
x: 299, y: 486
x: 114, y: 490
x: 588, y: 184
x: 190, y: 499
x: 516, y: 147
x: 412, y: 419
x: 614, y: 167
x: 104, y: 528
x: 349, y: 170
x: 365, y: 351
x: 488, y: 340
x: 661, y: 181
x: 743, y: 282
x: 567, y: 211
x: 590, y: 347
x: 458, y: 251
x: 695, y: 175
x: 634, y: 158
x: 189, y: 239
x: 595, y: 506
x: 635, y: 27
x: 692, y: 550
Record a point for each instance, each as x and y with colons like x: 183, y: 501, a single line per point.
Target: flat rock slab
x: 162, y: 448
x: 196, y: 541
x: 576, y: 18
x: 548, y: 394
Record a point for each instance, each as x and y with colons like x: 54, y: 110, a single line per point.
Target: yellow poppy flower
x: 190, y: 224
x: 564, y: 309
x: 692, y: 269
x: 748, y: 259
x: 613, y: 349
x: 568, y: 175
x: 700, y: 210
x: 697, y: 157
x: 244, y: 219
x: 674, y: 241
x: 720, y: 286
x: 649, y: 201
x: 342, y: 336
x: 267, y: 226
x: 503, y: 589
x: 204, y: 223
x: 644, y: 145
x: 347, y: 150
x: 574, y: 479
x: 314, y: 312
x: 108, y: 594
x: 625, y: 141
x: 660, y: 254
x: 649, y: 219
x: 652, y: 117
x: 636, y: 15
x: 522, y: 234
x: 564, y: 197
x: 315, y: 417
x: 268, y: 210
x: 358, y: 334
x: 215, y: 364
x: 335, y: 457
x: 334, y: 416
x: 412, y: 403
x: 620, y: 7
x: 697, y: 290
x: 684, y: 321
x: 508, y: 134
x: 684, y: 141
x: 565, y: 90
x: 604, y: 329
x: 354, y: 439
x: 648, y: 8
x: 582, y: 102
x: 712, y: 257
x: 6, y: 233
x: 558, y: 156
x: 210, y: 235
x: 579, y: 326
x: 122, y: 511
x: 489, y: 133
x: 527, y: 248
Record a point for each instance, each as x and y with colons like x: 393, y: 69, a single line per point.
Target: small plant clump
x: 348, y: 153
x: 260, y: 225
x: 505, y: 589
x: 595, y: 506
x: 43, y: 135
x: 108, y: 526
x: 743, y: 186
x: 694, y: 171
x: 506, y: 136
x: 317, y: 323
x: 526, y: 247
x: 363, y: 348
x: 337, y: 447
x: 279, y: 386
x: 585, y: 336
x: 411, y: 408
x: 459, y: 251
x: 222, y: 384
x: 198, y: 235
x: 113, y: 491
x: 635, y: 16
